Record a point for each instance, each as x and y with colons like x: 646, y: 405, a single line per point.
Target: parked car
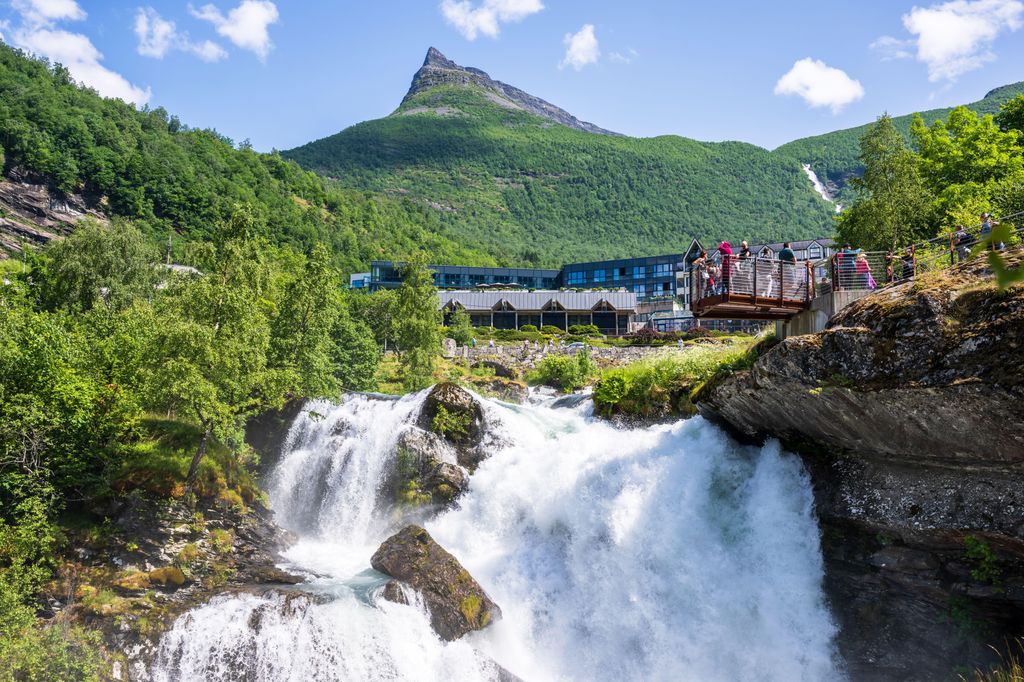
x: 576, y: 345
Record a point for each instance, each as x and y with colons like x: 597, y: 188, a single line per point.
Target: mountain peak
x: 436, y: 58
x: 438, y: 70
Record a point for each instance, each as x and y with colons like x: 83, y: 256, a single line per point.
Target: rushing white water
x: 667, y: 553
x: 819, y: 187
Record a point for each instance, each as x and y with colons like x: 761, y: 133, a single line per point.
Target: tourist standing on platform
x: 987, y: 224
x: 725, y: 249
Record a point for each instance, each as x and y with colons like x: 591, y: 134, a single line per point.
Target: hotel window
x: 640, y: 290
x: 639, y: 271
x: 576, y: 278
x: 598, y: 275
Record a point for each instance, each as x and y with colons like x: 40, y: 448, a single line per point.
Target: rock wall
x: 908, y: 412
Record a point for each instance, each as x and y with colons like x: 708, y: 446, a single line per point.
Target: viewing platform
x: 751, y: 289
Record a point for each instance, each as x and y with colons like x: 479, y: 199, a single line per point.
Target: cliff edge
x: 908, y: 410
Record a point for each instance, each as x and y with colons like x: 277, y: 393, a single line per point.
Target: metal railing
x: 861, y: 270
x: 763, y: 280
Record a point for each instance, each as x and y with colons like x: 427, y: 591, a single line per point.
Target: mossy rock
x: 456, y: 602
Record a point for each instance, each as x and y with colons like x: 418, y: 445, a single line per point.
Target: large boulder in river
x: 908, y: 411
x: 456, y: 602
x: 452, y: 412
x: 426, y: 470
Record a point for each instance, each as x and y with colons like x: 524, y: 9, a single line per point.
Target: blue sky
x: 284, y: 72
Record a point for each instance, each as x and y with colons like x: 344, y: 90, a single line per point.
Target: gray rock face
x: 908, y: 411
x: 439, y: 70
x: 31, y: 213
x: 454, y: 414
x: 456, y: 602
x: 426, y: 470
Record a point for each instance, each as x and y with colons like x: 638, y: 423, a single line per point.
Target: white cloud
x: 157, y: 36
x: 45, y: 12
x: 81, y: 58
x: 820, y: 85
x: 581, y: 48
x: 246, y: 25
x: 626, y: 57
x: 956, y: 37
x: 889, y: 48
x: 472, y: 20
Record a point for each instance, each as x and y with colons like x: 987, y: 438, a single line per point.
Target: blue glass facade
x: 388, y: 275
x: 650, y: 278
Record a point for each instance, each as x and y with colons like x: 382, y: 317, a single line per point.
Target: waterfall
x: 664, y: 553
x: 819, y: 187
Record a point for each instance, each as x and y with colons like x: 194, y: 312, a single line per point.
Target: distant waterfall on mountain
x: 819, y: 187
x: 664, y: 553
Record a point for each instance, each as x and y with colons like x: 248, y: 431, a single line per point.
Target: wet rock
x: 451, y: 412
x: 508, y: 390
x: 499, y: 369
x: 426, y: 470
x: 908, y: 411
x: 456, y: 602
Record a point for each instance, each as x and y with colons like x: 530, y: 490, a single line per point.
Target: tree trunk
x: 193, y: 469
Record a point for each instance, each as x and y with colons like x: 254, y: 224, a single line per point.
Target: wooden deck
x: 747, y: 307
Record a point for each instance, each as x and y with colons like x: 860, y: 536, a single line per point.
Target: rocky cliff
x: 908, y: 410
x: 30, y: 214
x: 438, y: 70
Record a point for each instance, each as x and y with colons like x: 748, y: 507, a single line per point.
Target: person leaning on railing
x: 962, y: 241
x: 987, y: 224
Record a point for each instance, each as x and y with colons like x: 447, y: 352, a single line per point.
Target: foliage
x: 1011, y: 117
x: 986, y: 563
x: 567, y: 372
x: 585, y: 330
x: 1011, y: 670
x: 460, y: 327
x: 419, y: 324
x: 147, y: 167
x: 664, y: 384
x: 494, y: 174
x: 893, y: 207
x: 833, y: 156
x: 551, y: 330
x: 530, y: 329
x: 450, y: 423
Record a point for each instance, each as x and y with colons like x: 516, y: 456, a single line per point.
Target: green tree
x: 356, y: 355
x: 893, y: 206
x: 1011, y: 117
x: 98, y: 264
x: 964, y: 159
x: 210, y: 355
x: 302, y: 335
x: 460, y: 327
x: 418, y: 324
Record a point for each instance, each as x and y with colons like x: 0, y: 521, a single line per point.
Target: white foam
x: 667, y: 553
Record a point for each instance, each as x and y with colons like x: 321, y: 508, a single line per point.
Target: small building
x: 806, y: 249
x: 359, y: 280
x: 609, y: 311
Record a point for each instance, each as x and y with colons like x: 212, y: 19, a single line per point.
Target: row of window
x: 600, y: 276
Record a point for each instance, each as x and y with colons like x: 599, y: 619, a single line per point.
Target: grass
x: 159, y: 462
x: 1011, y: 670
x: 669, y: 384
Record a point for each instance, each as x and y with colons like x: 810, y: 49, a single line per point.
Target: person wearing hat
x: 987, y: 223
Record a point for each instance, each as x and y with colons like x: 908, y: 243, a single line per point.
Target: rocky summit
x: 438, y: 70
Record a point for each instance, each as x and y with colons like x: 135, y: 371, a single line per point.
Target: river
x: 664, y: 553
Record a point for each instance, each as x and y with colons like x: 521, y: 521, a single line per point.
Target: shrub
x: 645, y: 337
x: 449, y: 423
x: 585, y: 330
x: 222, y: 541
x: 551, y: 330
x: 529, y: 328
x: 564, y: 371
x: 460, y: 328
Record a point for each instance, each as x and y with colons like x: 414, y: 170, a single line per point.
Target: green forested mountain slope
x: 147, y: 167
x: 833, y: 156
x: 529, y: 190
